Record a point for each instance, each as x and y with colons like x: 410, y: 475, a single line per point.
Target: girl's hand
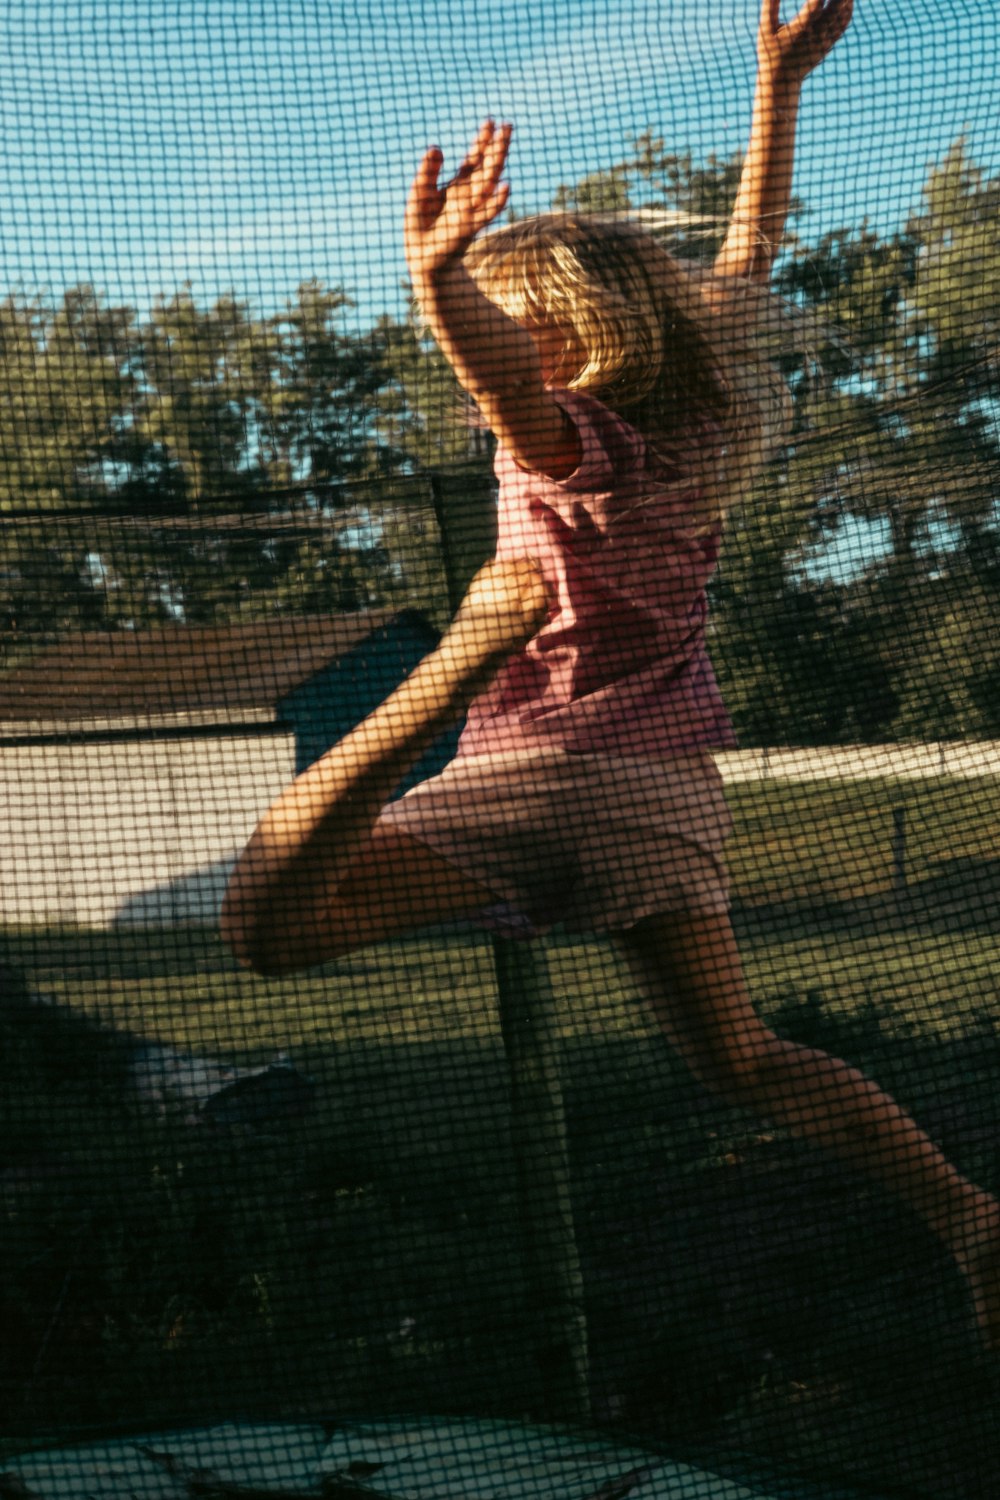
x: 441, y: 222
x: 788, y: 53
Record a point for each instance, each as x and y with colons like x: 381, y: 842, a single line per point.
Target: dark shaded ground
x: 774, y: 1306
x: 744, y: 1296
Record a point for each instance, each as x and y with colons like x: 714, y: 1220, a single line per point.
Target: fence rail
x: 102, y: 831
x: 863, y: 762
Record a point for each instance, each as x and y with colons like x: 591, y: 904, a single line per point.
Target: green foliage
x: 605, y: 191
x: 430, y: 422
x: 895, y: 430
x: 69, y: 393
x: 957, y: 292
x: 182, y: 423
x: 195, y: 413
x: 698, y: 199
x: 895, y: 435
x: 102, y: 408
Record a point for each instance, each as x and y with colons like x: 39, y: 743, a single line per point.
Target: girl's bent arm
x: 496, y: 361
x: 786, y: 55
x: 499, y: 366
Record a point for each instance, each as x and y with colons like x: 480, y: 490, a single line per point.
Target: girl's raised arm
x: 496, y: 361
x: 786, y: 55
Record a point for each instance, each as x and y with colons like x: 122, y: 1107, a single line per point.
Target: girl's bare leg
x: 691, y: 969
x: 307, y: 866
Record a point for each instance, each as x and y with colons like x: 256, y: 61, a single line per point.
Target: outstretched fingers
x: 484, y: 143
x: 426, y: 197
x: 481, y: 171
x: 441, y: 221
x: 802, y: 43
x: 824, y: 21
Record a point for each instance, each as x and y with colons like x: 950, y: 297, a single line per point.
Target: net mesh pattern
x: 621, y: 1115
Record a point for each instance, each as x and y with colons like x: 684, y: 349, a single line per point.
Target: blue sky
x: 249, y: 144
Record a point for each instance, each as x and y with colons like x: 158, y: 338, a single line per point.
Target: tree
x: 427, y: 417
x: 895, y: 430
x: 269, y: 461
x: 204, y: 375
x: 190, y: 412
x: 68, y: 394
x: 693, y: 202
x: 320, y: 417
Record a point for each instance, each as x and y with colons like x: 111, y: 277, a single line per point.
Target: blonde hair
x: 676, y: 351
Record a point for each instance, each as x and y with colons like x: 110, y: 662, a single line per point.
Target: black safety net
x: 583, y: 1082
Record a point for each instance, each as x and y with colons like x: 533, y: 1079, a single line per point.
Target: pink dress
x: 621, y: 665
x: 583, y: 790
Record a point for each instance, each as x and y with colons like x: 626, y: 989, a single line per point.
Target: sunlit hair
x: 677, y: 352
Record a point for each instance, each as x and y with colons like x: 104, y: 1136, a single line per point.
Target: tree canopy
x: 201, y: 464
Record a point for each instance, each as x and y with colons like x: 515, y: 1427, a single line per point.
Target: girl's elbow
x: 269, y: 963
x: 260, y: 955
x: 267, y: 928
x: 251, y: 939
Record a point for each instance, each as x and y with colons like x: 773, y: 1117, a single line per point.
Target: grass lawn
x: 743, y: 1293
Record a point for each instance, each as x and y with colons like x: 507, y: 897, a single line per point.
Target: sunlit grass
x: 834, y: 839
x: 817, y: 843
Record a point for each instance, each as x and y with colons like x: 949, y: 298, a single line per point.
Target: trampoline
x: 450, y: 1216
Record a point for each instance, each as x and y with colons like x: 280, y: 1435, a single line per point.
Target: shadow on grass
x: 961, y: 895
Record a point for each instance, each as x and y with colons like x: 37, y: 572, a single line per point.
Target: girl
x: 630, y: 404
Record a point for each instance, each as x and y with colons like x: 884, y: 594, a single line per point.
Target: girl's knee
x: 739, y: 1067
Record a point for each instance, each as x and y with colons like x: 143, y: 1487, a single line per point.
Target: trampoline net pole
x: 551, y: 1263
